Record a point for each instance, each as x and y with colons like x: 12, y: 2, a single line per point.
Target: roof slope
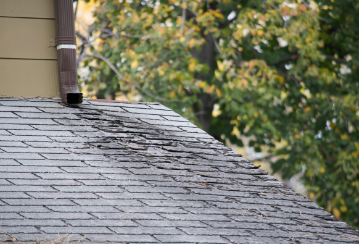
x: 131, y: 173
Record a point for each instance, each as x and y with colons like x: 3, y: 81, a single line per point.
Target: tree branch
x: 297, y: 81
x: 131, y: 83
x: 296, y: 56
x: 184, y: 11
x: 329, y: 158
x: 111, y: 34
x: 338, y: 60
x: 214, y: 40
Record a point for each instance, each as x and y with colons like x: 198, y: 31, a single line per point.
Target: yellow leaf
x: 236, y: 132
x: 251, y: 65
x: 336, y: 213
x: 311, y: 195
x: 329, y: 208
x: 102, y: 86
x: 191, y: 43
x: 322, y: 170
x: 280, y: 79
x: 220, y: 65
x: 307, y: 109
x: 191, y: 67
x: 184, y: 5
x: 218, y: 15
x: 202, y: 84
x: 302, y: 7
x: 172, y: 94
x: 344, y: 137
x: 244, y: 82
x: 160, y: 70
x: 343, y: 209
x: 210, y: 89
x: 134, y: 64
x: 332, y: 124
x: 218, y: 92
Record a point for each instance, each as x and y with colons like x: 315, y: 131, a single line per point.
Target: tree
x: 283, y: 73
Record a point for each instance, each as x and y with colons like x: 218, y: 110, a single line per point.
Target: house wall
x: 28, y: 59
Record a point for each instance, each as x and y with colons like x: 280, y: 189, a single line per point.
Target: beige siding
x: 28, y: 65
x: 43, y: 9
x: 28, y: 78
x: 26, y: 38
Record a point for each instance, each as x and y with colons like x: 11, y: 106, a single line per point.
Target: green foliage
x: 283, y: 73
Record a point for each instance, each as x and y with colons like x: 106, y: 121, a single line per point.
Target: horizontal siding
x: 43, y: 9
x: 26, y: 38
x: 28, y: 78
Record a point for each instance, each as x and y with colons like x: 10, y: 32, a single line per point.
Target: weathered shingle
x: 140, y: 173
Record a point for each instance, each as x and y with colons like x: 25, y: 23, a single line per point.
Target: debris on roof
x: 139, y: 173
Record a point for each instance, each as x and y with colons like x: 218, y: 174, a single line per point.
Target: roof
x: 139, y: 172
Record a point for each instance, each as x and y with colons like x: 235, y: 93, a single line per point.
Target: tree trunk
x: 204, y: 106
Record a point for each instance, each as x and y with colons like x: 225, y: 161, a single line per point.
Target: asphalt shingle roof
x: 140, y: 173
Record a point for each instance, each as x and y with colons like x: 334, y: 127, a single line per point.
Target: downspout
x: 65, y: 42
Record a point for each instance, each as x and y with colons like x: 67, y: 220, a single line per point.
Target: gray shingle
x: 69, y: 176
x: 214, y: 231
x: 8, y: 115
x: 40, y: 104
x: 12, y: 144
x: 122, y: 238
x: 101, y: 222
x: 20, y: 155
x: 56, y: 215
x: 63, y: 128
x: 9, y: 162
x: 17, y: 230
x: 140, y: 173
x: 62, y: 195
x: 192, y: 239
x: 54, y: 163
x: 40, y: 133
x: 19, y: 109
x: 23, y: 209
x: 84, y: 209
x: 145, y: 230
x: 24, y: 138
x: 22, y: 121
x: 46, y: 115
x: 171, y: 223
x: 6, y: 175
x: 5, y: 133
x: 29, y: 169
x: 77, y: 230
x: 34, y: 150
x: 107, y: 202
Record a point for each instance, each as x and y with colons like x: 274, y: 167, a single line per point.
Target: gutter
x: 65, y: 42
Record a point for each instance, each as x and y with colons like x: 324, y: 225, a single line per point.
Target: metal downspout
x: 66, y: 52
